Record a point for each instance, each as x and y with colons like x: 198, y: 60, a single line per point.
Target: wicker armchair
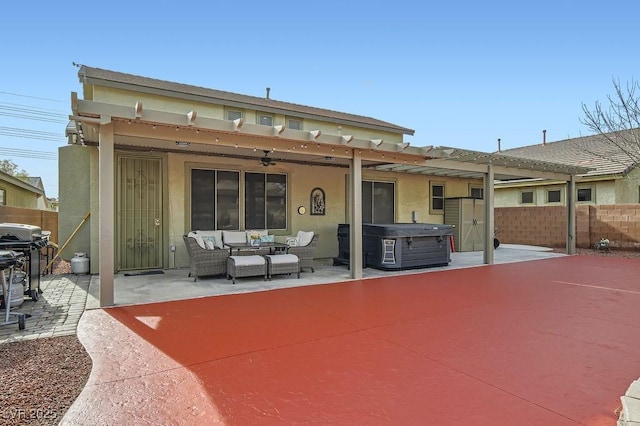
x: 205, y: 262
x: 306, y: 253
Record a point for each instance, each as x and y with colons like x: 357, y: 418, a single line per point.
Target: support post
x: 106, y: 210
x: 355, y: 214
x: 489, y: 219
x: 571, y: 215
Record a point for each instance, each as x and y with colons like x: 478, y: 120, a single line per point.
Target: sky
x: 460, y: 73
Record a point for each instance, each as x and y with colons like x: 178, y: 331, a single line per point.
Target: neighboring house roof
x: 114, y: 79
x: 22, y: 184
x: 35, y: 181
x: 588, y: 151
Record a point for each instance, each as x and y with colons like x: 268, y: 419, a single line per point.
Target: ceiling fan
x: 266, y: 160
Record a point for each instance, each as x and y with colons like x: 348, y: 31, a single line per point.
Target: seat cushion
x: 280, y: 259
x: 234, y: 237
x: 248, y: 260
x: 304, y: 238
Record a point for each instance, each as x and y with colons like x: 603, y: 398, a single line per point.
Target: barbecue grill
x: 26, y: 239
x: 8, y: 260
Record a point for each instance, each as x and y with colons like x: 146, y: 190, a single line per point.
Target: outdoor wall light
x: 237, y: 124
x: 346, y: 139
x: 138, y: 110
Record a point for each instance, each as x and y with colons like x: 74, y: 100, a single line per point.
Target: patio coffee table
x: 273, y: 247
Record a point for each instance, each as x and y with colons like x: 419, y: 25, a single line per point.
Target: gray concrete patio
x: 175, y: 284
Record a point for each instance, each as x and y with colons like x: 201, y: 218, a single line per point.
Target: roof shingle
x: 588, y: 151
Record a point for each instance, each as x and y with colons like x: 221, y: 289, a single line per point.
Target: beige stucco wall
x: 79, y: 194
x: 412, y: 194
x: 75, y: 191
x: 16, y: 196
x: 167, y: 104
x: 628, y: 189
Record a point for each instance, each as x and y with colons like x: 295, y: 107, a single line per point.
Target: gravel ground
x: 42, y: 378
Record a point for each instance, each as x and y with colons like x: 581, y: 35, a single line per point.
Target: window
x: 553, y: 196
x: 265, y: 119
x: 3, y: 197
x: 476, y: 192
x: 294, y: 123
x: 584, y: 195
x: 214, y: 199
x: 233, y: 114
x: 437, y: 198
x: 378, y: 201
x: 265, y: 198
x: 526, y: 197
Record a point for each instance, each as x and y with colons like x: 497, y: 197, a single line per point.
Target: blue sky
x: 460, y: 73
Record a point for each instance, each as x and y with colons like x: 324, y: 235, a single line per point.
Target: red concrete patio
x: 547, y: 342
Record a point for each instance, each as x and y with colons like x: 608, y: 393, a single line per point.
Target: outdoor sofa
x: 208, y: 252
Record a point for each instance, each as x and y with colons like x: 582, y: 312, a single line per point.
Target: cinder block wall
x: 545, y: 226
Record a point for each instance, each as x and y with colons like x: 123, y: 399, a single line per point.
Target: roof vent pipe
x: 268, y: 90
x: 499, y: 145
x: 544, y: 137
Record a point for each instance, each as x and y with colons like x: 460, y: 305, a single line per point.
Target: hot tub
x: 399, y: 245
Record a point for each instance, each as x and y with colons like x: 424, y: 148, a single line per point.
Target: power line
x: 28, y: 153
x: 31, y: 134
x: 33, y: 97
x: 31, y: 113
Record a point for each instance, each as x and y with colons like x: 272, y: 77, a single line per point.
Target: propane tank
x: 17, y: 292
x: 80, y: 263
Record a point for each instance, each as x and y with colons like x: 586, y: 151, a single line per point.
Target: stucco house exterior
x: 614, y: 179
x: 151, y: 160
x: 16, y: 192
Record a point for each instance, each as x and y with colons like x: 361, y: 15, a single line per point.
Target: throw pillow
x: 216, y: 234
x: 267, y: 238
x: 304, y: 238
x: 209, y: 242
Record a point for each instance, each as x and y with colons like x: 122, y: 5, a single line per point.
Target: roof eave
x: 249, y: 102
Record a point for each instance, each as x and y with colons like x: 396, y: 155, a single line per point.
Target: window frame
x: 266, y: 200
x: 473, y: 187
x: 373, y: 201
x: 289, y: 120
x: 432, y: 209
x: 549, y: 191
x: 3, y: 197
x: 215, y: 195
x: 527, y: 191
x: 591, y: 194
x: 260, y: 115
x: 228, y: 111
